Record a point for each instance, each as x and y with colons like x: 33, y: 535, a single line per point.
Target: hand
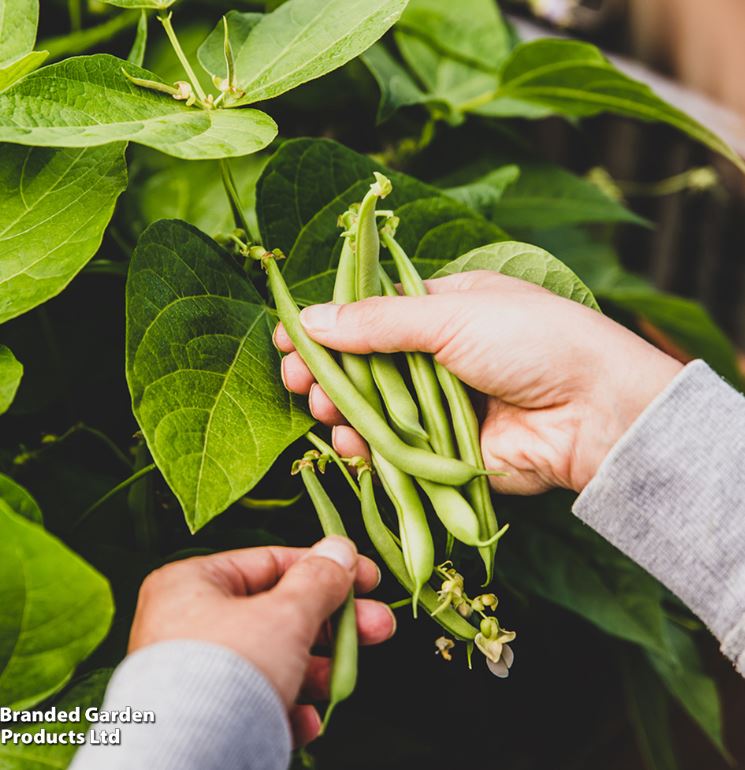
x: 563, y: 382
x: 270, y: 606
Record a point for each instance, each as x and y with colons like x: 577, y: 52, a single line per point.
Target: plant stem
x: 114, y: 491
x: 241, y: 220
x: 327, y: 449
x: 78, y: 42
x: 101, y: 436
x: 165, y: 20
x: 76, y: 15
x: 400, y: 603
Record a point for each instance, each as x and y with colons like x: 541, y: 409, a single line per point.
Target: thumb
x: 382, y: 324
x: 318, y: 583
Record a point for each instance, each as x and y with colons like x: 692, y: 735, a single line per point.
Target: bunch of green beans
x: 424, y: 443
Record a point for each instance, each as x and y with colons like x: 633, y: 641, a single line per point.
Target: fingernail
x: 338, y: 549
x: 274, y: 336
x: 282, y: 373
x: 312, y: 398
x: 378, y: 579
x: 319, y: 318
x: 394, y: 628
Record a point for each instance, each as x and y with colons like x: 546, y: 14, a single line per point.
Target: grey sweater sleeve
x: 213, y: 711
x: 671, y: 495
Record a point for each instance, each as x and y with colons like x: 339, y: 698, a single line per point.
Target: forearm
x: 213, y: 710
x: 671, y: 495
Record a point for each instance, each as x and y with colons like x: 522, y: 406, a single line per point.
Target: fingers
x: 281, y: 339
x: 348, y: 443
x: 322, y: 407
x: 251, y: 570
x: 376, y: 623
x: 317, y: 583
x: 383, y: 324
x: 305, y: 724
x: 296, y: 376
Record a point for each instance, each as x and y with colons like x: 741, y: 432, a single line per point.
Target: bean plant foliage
x: 147, y: 150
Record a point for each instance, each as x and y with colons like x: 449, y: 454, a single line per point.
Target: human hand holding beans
x: 270, y: 605
x: 562, y: 382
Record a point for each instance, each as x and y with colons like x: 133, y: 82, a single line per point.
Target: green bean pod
x: 427, y: 388
x: 367, y: 242
x: 385, y: 545
x: 464, y: 418
x: 416, y: 538
x: 343, y: 677
x: 400, y: 405
x: 361, y: 415
x: 467, y: 434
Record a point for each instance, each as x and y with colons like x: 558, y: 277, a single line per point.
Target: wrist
x: 623, y: 388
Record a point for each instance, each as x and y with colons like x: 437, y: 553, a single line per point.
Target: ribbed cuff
x: 213, y: 711
x: 671, y: 495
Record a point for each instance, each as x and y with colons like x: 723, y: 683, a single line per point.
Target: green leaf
x: 545, y: 195
x: 194, y: 192
x: 472, y: 31
x: 10, y: 72
x: 54, y: 208
x: 483, y: 193
x: 84, y: 693
x: 157, y: 4
x: 686, y: 322
x: 136, y: 54
x: 696, y: 692
x: 11, y: 372
x: 87, y: 101
x: 300, y: 41
x: 397, y: 89
x: 19, y: 499
x: 54, y: 611
x: 18, y: 22
x: 527, y: 262
x: 452, y: 83
x: 574, y: 79
x: 567, y: 564
x: 308, y: 183
x: 202, y: 370
x: 648, y: 707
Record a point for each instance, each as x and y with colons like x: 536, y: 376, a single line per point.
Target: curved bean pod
x: 343, y: 676
x: 381, y: 538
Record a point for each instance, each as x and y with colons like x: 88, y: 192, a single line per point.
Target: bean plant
x: 177, y: 177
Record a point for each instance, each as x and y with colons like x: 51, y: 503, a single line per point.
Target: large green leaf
x: 54, y: 208
x: 684, y: 677
x: 470, y: 30
x: 195, y: 193
x: 554, y: 556
x: 397, y: 88
x: 15, y: 70
x: 544, y: 195
x: 11, y: 372
x: 18, y: 22
x: 84, y: 693
x: 87, y: 101
x: 300, y: 41
x: 308, y: 183
x: 566, y: 77
x: 54, y: 611
x: 648, y: 707
x: 202, y: 370
x: 527, y: 262
x: 19, y: 499
x: 686, y: 322
x: 452, y: 84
